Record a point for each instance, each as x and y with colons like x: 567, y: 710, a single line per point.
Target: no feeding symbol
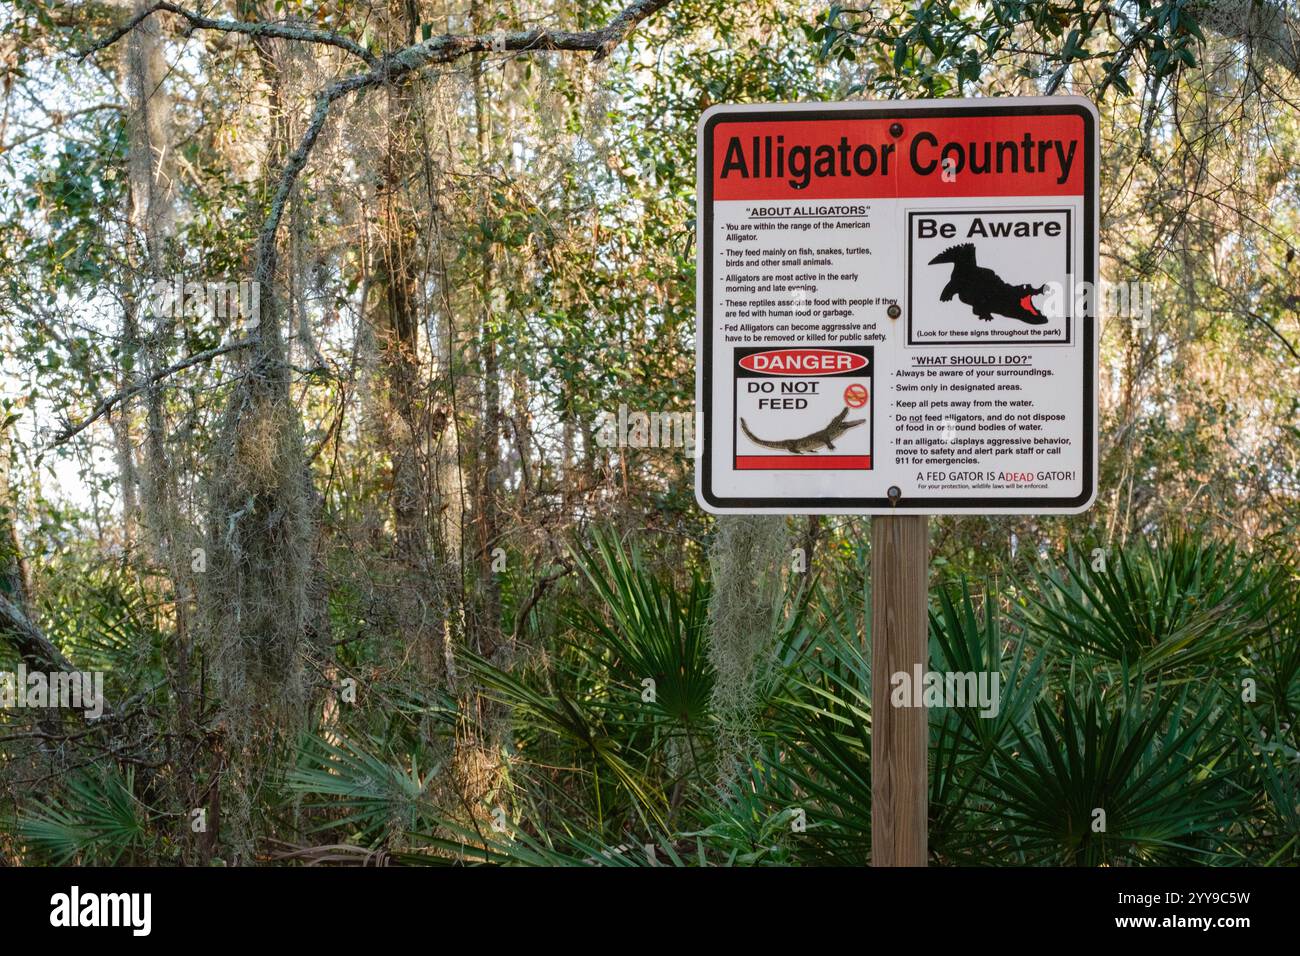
x: 855, y: 396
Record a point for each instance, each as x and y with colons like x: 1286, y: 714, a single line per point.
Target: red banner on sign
x: 936, y: 156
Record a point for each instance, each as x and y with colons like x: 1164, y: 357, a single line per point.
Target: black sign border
x: 1089, y: 322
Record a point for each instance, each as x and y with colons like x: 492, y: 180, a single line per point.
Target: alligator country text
x: 772, y: 157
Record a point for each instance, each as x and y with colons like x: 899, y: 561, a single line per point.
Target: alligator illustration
x: 823, y: 436
x: 984, y: 290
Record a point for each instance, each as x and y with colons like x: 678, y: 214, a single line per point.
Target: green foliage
x: 589, y: 729
x: 1155, y: 608
x: 1156, y: 777
x: 964, y: 741
x: 1121, y: 752
x: 97, y: 821
x: 643, y: 630
x: 942, y: 49
x: 752, y: 822
x: 105, y: 619
x: 369, y: 796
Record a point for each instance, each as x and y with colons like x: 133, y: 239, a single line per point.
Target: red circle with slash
x: 855, y: 396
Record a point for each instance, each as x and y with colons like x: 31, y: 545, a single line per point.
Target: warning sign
x: 792, y: 409
x: 896, y: 307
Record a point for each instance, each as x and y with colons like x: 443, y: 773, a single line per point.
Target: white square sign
x: 897, y: 307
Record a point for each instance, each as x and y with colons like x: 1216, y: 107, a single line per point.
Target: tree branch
x: 35, y: 647
x: 387, y: 70
x: 1276, y: 334
x: 199, y: 22
x: 402, y: 64
x: 448, y: 47
x: 539, y: 589
x: 117, y: 398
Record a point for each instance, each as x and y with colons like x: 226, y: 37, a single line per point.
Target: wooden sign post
x: 899, y: 735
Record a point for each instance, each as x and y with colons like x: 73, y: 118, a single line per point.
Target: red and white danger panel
x: 897, y: 307
x: 827, y: 391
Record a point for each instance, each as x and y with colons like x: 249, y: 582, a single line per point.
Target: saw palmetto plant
x: 1121, y: 735
x: 1157, y: 608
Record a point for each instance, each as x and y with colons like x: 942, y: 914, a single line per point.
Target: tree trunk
x: 488, y: 444
x: 420, y: 601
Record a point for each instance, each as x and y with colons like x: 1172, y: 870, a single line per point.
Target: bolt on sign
x: 897, y: 307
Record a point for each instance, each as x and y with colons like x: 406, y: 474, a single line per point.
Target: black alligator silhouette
x: 984, y: 290
x: 823, y: 436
